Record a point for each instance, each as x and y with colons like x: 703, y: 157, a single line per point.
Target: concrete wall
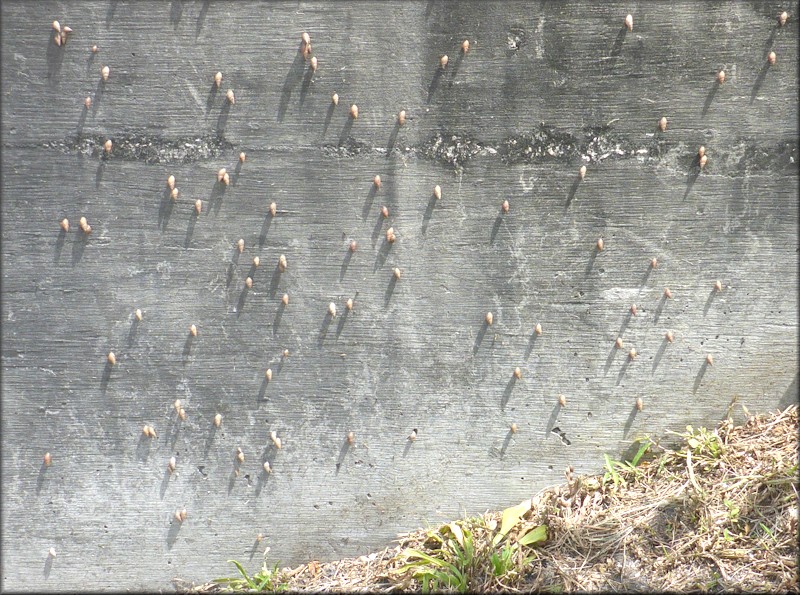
x: 499, y: 123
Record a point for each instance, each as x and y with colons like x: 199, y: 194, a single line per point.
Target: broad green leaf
x: 534, y: 536
x: 511, y: 517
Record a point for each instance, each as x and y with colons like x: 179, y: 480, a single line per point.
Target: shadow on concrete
x: 222, y: 118
x: 40, y: 477
x: 659, y: 354
x: 105, y: 377
x: 62, y: 237
x: 660, y: 308
x: 275, y: 281
x: 373, y: 190
x: 240, y: 303
x: 98, y: 174
x: 78, y: 246
x: 392, y: 138
x: 496, y: 227
x: 232, y: 267
x: 709, y: 301
x: 531, y: 344
x: 426, y: 217
x: 389, y: 291
x: 382, y: 255
x: 48, y: 566
x: 262, y: 238
x: 507, y: 392
x: 187, y: 348
x: 164, y: 483
x: 552, y: 421
x: 278, y: 317
x: 455, y: 68
x: 479, y: 338
x: 212, y: 432
x: 55, y: 58
x: 342, y: 454
x: 645, y: 277
x: 610, y: 359
x: 694, y: 173
x: 201, y: 17
x: 792, y: 394
x: 376, y: 231
x: 345, y: 263
x: 132, y: 331
x: 506, y: 442
x: 323, y: 331
x: 165, y: 209
x: 759, y: 81
x: 143, y: 448
x: 590, y: 264
x: 98, y: 95
x: 710, y: 97
x: 211, y: 98
x: 262, y: 391
x: 306, y: 83
x: 172, y: 534
x: 626, y: 320
x: 293, y: 77
x: 629, y: 422
x: 112, y: 6
x: 699, y: 378
x: 190, y: 228
x: 437, y: 75
x: 623, y: 369
x: 572, y: 191
x: 237, y: 171
x: 175, y: 13
x: 342, y: 319
x: 81, y: 120
x: 328, y: 117
x: 348, y: 126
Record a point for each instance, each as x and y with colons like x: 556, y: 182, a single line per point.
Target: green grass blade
x: 534, y: 536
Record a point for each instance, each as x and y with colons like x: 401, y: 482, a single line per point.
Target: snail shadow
x: 610, y: 359
x: 104, y: 379
x: 222, y: 118
x: 348, y: 126
x: 212, y: 433
x: 190, y: 228
x: 201, y: 17
x: 373, y: 190
x: 437, y: 75
x: 232, y: 267
x: 629, y: 422
x: 376, y: 231
x: 345, y: 263
x: 623, y: 369
x: 328, y: 117
x: 342, y: 454
x: 626, y: 320
x: 323, y: 331
x: 143, y: 448
x: 62, y: 237
x: 164, y: 483
x: 174, y: 430
x: 426, y: 217
x: 645, y: 277
x: 551, y: 422
x: 98, y: 95
x: 759, y: 82
x: 267, y: 223
x: 659, y: 354
x: 662, y: 303
x: 392, y: 139
x: 382, y: 255
x: 175, y: 13
x: 496, y: 227
x: 456, y: 67
x: 479, y: 338
x: 694, y: 173
x: 112, y: 7
x: 172, y: 534
x: 572, y: 191
x: 507, y: 392
x: 616, y: 49
x: 98, y: 174
x: 531, y: 344
x: 699, y: 378
x: 262, y: 391
x: 389, y: 291
x: 710, y: 97
x: 278, y: 317
x: 275, y: 281
x: 82, y: 120
x: 506, y: 442
x: 78, y: 246
x: 293, y: 77
x: 40, y: 477
x: 590, y: 264
x: 237, y: 171
x: 709, y: 301
x: 187, y: 348
x: 407, y: 447
x: 211, y: 98
x: 263, y: 475
x: 165, y: 209
x: 55, y: 58
x: 254, y: 547
x: 48, y: 566
x: 241, y: 302
x: 342, y: 320
x: 305, y: 85
x: 132, y: 331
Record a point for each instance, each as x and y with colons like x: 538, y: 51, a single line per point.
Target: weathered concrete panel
x: 413, y: 353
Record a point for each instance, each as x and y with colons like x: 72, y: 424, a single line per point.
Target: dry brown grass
x: 718, y: 514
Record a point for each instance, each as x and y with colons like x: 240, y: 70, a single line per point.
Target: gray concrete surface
x: 499, y: 123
